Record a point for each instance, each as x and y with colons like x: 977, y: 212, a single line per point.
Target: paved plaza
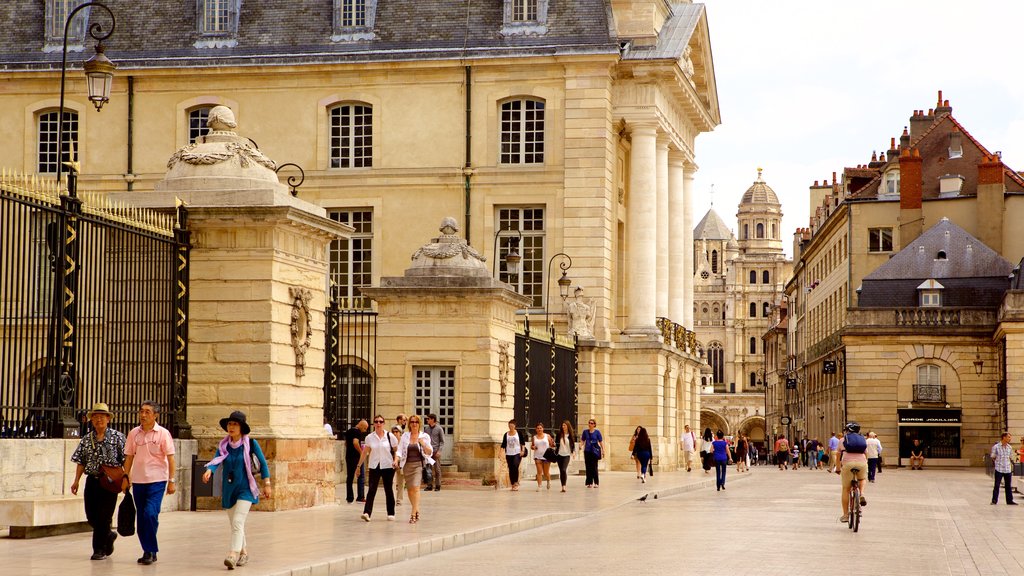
x: 766, y: 522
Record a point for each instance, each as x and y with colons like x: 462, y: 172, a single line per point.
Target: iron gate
x: 350, y: 373
x: 93, y: 308
x: 547, y: 390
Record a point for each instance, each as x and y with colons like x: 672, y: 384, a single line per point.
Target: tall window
x: 48, y: 157
x: 879, y: 239
x: 753, y: 380
x: 774, y: 231
x: 714, y: 261
x: 716, y: 358
x: 928, y: 375
x: 753, y: 309
x: 57, y: 14
x: 522, y: 131
x: 529, y: 221
x: 524, y: 10
x: 753, y: 345
x: 351, y: 136
x: 765, y: 309
x: 753, y: 277
x: 197, y: 123
x: 892, y: 182
x: 760, y: 230
x: 351, y: 258
x: 766, y: 277
x: 217, y: 17
x: 746, y: 231
x: 352, y: 13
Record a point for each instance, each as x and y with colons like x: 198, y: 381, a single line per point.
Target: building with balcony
x: 737, y: 282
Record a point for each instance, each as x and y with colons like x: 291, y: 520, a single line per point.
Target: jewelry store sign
x: 911, y: 416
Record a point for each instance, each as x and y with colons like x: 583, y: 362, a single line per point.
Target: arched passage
x: 713, y: 420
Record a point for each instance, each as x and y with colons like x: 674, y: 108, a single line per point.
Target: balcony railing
x: 930, y: 393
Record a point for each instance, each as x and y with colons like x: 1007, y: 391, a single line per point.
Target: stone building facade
x: 572, y: 123
x: 737, y: 281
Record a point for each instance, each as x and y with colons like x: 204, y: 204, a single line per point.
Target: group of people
x: 813, y: 454
x: 561, y: 450
x: 143, y: 462
x: 403, y: 458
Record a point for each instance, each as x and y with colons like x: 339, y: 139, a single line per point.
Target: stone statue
x: 221, y: 119
x: 686, y: 63
x: 581, y: 316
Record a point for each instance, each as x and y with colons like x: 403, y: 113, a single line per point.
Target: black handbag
x: 550, y: 455
x: 126, y: 515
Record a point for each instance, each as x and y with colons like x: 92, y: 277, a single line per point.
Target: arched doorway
x: 714, y: 421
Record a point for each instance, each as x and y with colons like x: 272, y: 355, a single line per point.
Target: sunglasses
x: 378, y: 421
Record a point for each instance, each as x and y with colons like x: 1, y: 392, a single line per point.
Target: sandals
x: 413, y: 518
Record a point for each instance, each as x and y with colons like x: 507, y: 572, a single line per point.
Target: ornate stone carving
x: 302, y: 332
x: 503, y: 368
x: 221, y: 122
x: 448, y: 245
x: 581, y: 316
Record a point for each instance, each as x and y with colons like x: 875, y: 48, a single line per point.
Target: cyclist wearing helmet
x: 851, y: 455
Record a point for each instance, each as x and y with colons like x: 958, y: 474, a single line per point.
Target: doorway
x: 435, y: 394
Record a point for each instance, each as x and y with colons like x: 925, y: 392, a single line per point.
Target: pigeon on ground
x: 643, y: 498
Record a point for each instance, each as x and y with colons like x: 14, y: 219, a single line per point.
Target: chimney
x: 875, y: 162
x: 991, y: 202
x: 905, y: 139
x: 911, y: 214
x: 919, y: 122
x: 893, y: 150
x: 942, y: 106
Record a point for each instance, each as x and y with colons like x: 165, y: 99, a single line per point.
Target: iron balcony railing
x: 930, y: 393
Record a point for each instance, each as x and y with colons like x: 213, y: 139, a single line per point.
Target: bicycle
x: 854, y: 519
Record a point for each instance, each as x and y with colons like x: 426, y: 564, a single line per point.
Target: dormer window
x: 56, y: 15
x: 892, y: 183
x: 956, y: 148
x: 930, y: 294
x: 217, y: 23
x: 354, y: 20
x: 524, y: 17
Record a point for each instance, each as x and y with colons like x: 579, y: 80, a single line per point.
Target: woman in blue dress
x: 240, y: 486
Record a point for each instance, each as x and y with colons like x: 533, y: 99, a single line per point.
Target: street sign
x: 786, y: 420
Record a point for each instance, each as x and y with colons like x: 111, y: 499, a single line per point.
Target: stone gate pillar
x: 448, y: 313
x: 259, y: 270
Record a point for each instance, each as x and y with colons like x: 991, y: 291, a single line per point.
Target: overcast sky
x: 808, y: 87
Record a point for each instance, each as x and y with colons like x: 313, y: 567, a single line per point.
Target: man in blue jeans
x: 1002, y: 457
x: 149, y: 460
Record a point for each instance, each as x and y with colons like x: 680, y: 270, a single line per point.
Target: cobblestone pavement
x: 928, y: 522
x: 784, y: 522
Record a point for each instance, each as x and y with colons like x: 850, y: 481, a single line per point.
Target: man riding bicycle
x: 851, y: 456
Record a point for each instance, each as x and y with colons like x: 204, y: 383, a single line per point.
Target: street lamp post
x: 99, y: 73
x: 563, y: 285
x: 512, y: 257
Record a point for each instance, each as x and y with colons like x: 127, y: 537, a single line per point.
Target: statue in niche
x: 581, y: 316
x: 686, y: 63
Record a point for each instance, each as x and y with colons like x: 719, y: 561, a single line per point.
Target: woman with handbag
x: 514, y: 445
x: 643, y: 451
x: 705, y: 450
x: 242, y: 460
x: 566, y: 442
x: 414, y: 450
x: 632, y: 451
x: 543, y: 454
x: 379, y: 454
x: 100, y: 454
x: 593, y: 451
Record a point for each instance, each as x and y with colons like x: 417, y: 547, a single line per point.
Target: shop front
x: 938, y: 432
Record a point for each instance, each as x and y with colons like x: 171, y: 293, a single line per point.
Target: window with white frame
x: 879, y: 239
x: 352, y: 258
x: 522, y: 131
x: 529, y: 221
x: 217, y: 17
x: 197, y: 123
x: 351, y: 135
x: 57, y: 12
x: 524, y: 10
x: 48, y: 157
x: 931, y: 298
x: 928, y: 375
x: 524, y: 17
x: 354, y: 19
x: 892, y: 183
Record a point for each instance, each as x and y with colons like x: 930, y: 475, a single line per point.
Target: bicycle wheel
x: 851, y: 511
x: 855, y: 516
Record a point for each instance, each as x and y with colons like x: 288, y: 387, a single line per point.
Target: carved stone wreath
x: 245, y: 153
x: 302, y: 332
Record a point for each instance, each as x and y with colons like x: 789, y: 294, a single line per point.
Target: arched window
x: 753, y: 276
x: 753, y: 345
x: 753, y: 309
x: 746, y: 231
x: 714, y: 261
x: 349, y: 397
x: 522, y: 131
x: 351, y: 135
x: 753, y: 380
x: 766, y: 277
x: 760, y: 230
x: 765, y: 310
x: 197, y: 122
x: 716, y: 358
x: 47, y: 140
x: 774, y: 231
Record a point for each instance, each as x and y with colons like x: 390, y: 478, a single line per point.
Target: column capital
x: 691, y: 168
x: 677, y: 157
x: 643, y: 127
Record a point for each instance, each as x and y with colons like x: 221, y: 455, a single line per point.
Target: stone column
x: 662, y: 218
x: 689, y: 170
x: 679, y: 251
x: 641, y: 233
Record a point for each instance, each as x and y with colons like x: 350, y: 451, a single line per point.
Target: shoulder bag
x: 126, y: 515
x: 112, y: 478
x: 254, y: 461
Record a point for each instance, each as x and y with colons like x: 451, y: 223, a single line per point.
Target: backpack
x: 855, y: 443
x: 783, y: 446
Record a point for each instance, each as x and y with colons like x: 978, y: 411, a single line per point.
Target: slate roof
x: 674, y: 35
x: 712, y: 227
x: 163, y: 33
x: 759, y: 193
x: 966, y: 257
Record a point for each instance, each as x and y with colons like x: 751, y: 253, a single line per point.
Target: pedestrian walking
x: 101, y: 447
x: 740, y: 453
x: 688, y: 443
x: 540, y: 445
x: 238, y: 454
x: 795, y: 454
x: 565, y: 440
x: 379, y: 449
x: 353, y: 451
x: 400, y: 421
x: 874, y: 454
x: 593, y: 451
x: 782, y: 452
x: 1002, y: 457
x: 436, y: 433
x: 643, y: 452
x: 706, y: 450
x: 414, y: 453
x: 632, y: 451
x: 514, y: 444
x: 833, y: 446
x: 149, y: 462
x: 720, y: 451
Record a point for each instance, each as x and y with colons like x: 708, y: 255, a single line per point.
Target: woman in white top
x: 541, y: 442
x: 565, y: 441
x: 379, y: 455
x: 413, y: 451
x: 514, y: 443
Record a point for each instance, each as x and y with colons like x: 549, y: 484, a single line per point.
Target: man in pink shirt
x: 149, y: 460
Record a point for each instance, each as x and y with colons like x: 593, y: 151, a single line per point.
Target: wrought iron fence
x: 929, y: 393
x: 546, y: 378
x: 93, y: 308
x: 350, y: 373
